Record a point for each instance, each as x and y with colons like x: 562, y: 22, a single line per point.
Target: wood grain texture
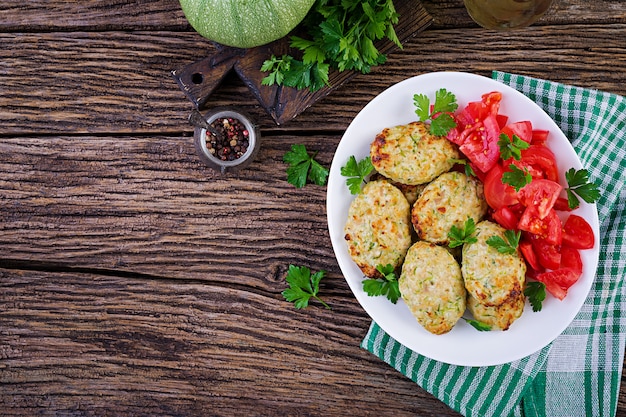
x: 135, y: 281
x: 86, y: 344
x: 123, y: 84
x: 147, y: 205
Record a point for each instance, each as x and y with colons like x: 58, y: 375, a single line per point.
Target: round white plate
x: 464, y: 345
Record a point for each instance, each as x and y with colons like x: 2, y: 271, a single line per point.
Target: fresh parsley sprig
x: 507, y: 245
x: 478, y: 325
x: 439, y: 114
x: 303, y: 167
x: 511, y: 147
x: 356, y: 172
x: 536, y: 293
x: 579, y: 186
x: 469, y: 171
x: 340, y: 34
x: 387, y: 286
x: 517, y: 177
x: 460, y: 235
x: 303, y: 286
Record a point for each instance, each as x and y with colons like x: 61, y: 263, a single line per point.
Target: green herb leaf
x: 388, y: 286
x: 466, y: 166
x: 356, y: 172
x: 511, y: 147
x: 303, y: 286
x: 458, y: 236
x: 441, y: 120
x: 536, y: 293
x: 303, y: 167
x: 516, y: 178
x: 579, y: 186
x: 478, y: 325
x: 509, y: 245
x: 340, y: 34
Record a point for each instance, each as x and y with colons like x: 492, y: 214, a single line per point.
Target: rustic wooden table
x: 136, y: 281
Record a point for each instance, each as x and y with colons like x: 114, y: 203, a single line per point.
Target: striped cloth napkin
x: 579, y: 373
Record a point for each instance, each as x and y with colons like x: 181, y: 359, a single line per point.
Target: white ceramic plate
x: 464, y: 345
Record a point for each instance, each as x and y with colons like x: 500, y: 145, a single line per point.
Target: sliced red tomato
x: 477, y: 131
x: 561, y: 204
x: 570, y: 259
x: 530, y: 256
x: 539, y: 161
x: 480, y: 145
x: 497, y: 193
x: 577, y: 233
x: 523, y: 130
x: 541, y: 194
x: 548, y: 255
x: 540, y: 136
x: 502, y: 120
x: 549, y: 228
x: 553, y: 288
x: 506, y: 217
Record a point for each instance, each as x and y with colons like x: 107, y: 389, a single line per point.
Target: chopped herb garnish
x: 478, y: 325
x: 303, y: 286
x: 303, y: 167
x: 356, y: 172
x: 440, y: 114
x: 460, y: 235
x: 579, y: 186
x: 387, y: 286
x: 517, y: 178
x: 536, y: 293
x: 507, y: 245
x: 511, y: 147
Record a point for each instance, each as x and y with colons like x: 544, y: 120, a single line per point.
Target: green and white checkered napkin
x: 579, y: 373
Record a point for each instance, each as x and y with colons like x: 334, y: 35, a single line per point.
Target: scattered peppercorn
x: 234, y: 139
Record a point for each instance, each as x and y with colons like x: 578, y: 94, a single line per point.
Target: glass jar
x: 506, y: 14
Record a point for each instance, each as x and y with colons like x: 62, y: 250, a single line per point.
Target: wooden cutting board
x: 199, y: 79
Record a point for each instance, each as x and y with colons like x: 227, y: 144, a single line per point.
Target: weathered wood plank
x: 147, y: 205
x: 76, y: 82
x: 105, y: 15
x: 102, y: 345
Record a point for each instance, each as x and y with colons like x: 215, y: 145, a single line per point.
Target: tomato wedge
x: 539, y: 161
x: 526, y: 247
x: 478, y: 130
x: 506, y: 217
x: 548, y: 255
x: 541, y: 194
x: 540, y: 136
x: 570, y: 259
x: 497, y: 193
x: 549, y: 228
x: 577, y: 233
x: 523, y: 130
x: 562, y: 204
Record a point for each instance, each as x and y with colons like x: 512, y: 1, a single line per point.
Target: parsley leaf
x: 516, y: 178
x: 579, y: 186
x: 441, y: 120
x: 303, y: 167
x: 536, y: 293
x: 458, y: 236
x: 303, y: 286
x: 387, y: 286
x: 509, y: 245
x: 511, y: 147
x: 469, y: 171
x: 356, y: 172
x: 340, y: 34
x: 478, y: 325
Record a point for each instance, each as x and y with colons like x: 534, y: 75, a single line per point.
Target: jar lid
x: 209, y: 152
